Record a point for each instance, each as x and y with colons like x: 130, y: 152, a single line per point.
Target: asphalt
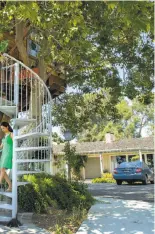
x: 137, y: 192
x: 116, y: 216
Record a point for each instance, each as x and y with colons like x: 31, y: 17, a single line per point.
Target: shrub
x: 52, y: 191
x: 106, y: 178
x: 135, y: 158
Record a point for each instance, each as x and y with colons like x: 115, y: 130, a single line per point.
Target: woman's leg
x: 2, y: 174
x: 6, y: 177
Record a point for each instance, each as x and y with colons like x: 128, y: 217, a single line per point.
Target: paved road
x: 126, y: 192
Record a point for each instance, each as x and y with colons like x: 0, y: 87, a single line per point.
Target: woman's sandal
x: 9, y: 190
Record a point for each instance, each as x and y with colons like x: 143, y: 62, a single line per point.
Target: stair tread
x: 22, y: 183
x: 27, y: 172
x: 6, y: 206
x: 8, y: 110
x: 5, y: 102
x: 34, y: 135
x: 5, y: 218
x: 32, y: 148
x: 32, y: 160
x: 8, y: 194
x: 19, y: 122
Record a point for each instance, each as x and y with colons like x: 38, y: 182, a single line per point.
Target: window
x: 120, y: 159
x: 143, y: 157
x: 150, y: 161
x: 32, y: 48
x: 130, y: 157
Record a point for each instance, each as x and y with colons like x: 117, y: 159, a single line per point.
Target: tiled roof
x: 146, y: 143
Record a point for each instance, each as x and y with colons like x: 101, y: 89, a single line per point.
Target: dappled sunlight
x: 137, y: 205
x: 23, y: 230
x: 112, y: 216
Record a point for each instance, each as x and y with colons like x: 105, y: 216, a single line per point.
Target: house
x: 105, y: 156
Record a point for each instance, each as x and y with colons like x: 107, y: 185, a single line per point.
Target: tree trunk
x: 35, y: 99
x: 42, y: 69
x: 69, y: 173
x: 141, y: 126
x: 19, y: 26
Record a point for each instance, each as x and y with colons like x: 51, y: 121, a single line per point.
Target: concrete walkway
x: 24, y: 229
x: 113, y: 216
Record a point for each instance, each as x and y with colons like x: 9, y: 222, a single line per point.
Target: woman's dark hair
x: 5, y: 124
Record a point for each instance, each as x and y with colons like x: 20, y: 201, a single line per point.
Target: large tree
x: 91, y: 116
x: 88, y: 39
x: 92, y: 42
x: 134, y: 119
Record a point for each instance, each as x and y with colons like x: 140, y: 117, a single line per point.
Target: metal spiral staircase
x: 25, y: 98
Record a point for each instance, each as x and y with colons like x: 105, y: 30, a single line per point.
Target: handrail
x: 35, y: 74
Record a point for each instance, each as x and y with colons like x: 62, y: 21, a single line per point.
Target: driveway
x: 115, y: 216
x: 126, y: 192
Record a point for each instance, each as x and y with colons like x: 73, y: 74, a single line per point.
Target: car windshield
x: 130, y: 164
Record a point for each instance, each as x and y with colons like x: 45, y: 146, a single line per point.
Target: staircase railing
x: 25, y: 98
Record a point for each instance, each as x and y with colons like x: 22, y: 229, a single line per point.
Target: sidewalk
x: 112, y: 216
x: 24, y: 229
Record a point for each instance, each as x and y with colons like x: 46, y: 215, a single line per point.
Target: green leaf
x: 112, y: 5
x: 148, y: 27
x: 3, y: 46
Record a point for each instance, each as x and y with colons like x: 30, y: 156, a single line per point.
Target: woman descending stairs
x: 24, y: 98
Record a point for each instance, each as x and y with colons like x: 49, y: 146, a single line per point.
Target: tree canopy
x: 103, y: 48
x: 91, y: 116
x: 90, y: 40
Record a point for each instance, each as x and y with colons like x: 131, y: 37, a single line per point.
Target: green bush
x: 52, y: 191
x: 135, y: 158
x: 106, y: 178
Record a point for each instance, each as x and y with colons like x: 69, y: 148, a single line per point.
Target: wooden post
x: 140, y: 155
x: 101, y: 165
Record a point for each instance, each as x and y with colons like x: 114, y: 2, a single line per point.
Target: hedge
x: 52, y: 191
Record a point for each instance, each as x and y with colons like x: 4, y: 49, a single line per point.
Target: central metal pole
x: 15, y: 132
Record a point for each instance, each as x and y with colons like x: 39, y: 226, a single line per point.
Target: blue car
x: 132, y: 172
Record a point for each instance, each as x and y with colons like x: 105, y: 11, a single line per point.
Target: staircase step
x: 32, y: 160
x: 6, y: 206
x: 22, y: 122
x: 32, y: 148
x: 27, y: 172
x: 31, y: 135
x: 5, y: 102
x: 22, y: 183
x: 7, y: 194
x: 8, y: 110
x: 5, y: 218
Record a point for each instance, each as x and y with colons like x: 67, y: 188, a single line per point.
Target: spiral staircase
x: 24, y: 98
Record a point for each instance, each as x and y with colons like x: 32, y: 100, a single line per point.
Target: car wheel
x: 119, y: 182
x: 152, y: 181
x: 145, y: 181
